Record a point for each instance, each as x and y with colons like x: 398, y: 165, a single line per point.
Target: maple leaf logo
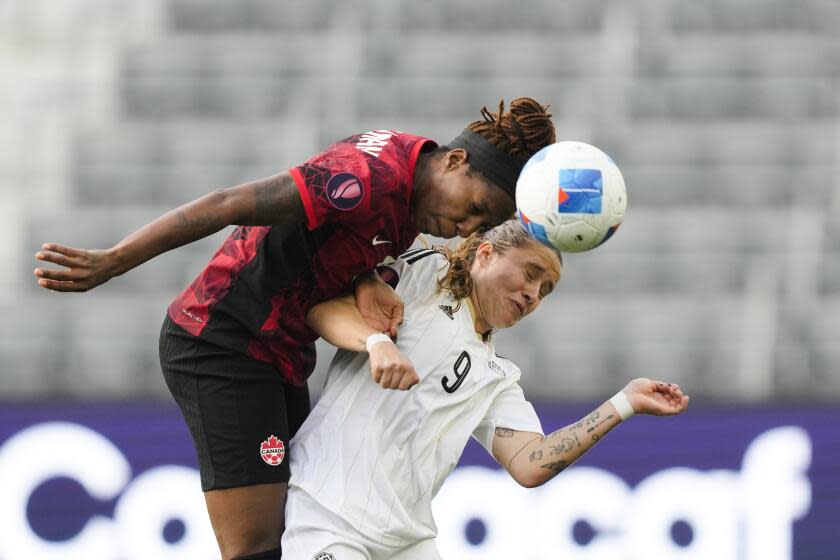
x: 272, y: 451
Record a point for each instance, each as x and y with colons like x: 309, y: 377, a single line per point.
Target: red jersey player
x: 235, y: 349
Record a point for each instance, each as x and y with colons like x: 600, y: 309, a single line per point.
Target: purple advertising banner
x: 114, y: 481
x: 744, y: 482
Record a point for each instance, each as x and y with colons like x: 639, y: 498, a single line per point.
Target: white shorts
x: 315, y: 533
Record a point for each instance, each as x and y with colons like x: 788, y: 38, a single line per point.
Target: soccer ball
x: 571, y: 196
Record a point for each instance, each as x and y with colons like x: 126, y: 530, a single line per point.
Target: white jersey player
x: 367, y: 462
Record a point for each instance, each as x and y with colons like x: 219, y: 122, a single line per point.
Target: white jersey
x: 376, y: 457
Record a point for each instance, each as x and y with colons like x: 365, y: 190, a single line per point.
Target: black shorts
x: 233, y: 405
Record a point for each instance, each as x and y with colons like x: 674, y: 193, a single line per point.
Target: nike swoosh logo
x: 377, y: 241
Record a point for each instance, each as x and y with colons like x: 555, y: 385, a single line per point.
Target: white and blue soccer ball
x: 571, y: 196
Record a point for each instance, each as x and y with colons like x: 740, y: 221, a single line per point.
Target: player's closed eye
x: 546, y: 289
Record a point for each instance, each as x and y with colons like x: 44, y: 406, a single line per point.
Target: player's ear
x: 454, y: 159
x: 484, y: 251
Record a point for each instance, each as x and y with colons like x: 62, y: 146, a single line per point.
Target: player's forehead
x: 538, y: 260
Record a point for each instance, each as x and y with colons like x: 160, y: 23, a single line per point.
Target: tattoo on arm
x: 276, y: 201
x: 504, y: 433
x: 562, y: 447
x: 541, y: 438
x: 193, y: 223
x: 565, y: 439
x: 608, y: 418
x: 556, y: 466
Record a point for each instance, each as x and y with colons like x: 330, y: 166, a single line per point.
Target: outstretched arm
x: 339, y: 322
x: 532, y: 459
x: 273, y: 201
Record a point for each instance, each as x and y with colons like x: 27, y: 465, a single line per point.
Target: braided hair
x: 521, y: 132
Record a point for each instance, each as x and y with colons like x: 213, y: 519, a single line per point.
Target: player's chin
x: 446, y: 229
x: 430, y: 226
x: 510, y: 321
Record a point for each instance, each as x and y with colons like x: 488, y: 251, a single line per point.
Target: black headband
x: 499, y: 167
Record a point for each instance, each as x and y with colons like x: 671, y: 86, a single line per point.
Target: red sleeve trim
x: 311, y: 220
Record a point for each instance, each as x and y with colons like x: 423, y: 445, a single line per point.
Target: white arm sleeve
x: 509, y: 410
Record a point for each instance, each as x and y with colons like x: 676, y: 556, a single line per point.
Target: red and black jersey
x: 254, y: 294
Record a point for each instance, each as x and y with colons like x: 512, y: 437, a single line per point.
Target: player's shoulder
x: 427, y: 262
x: 416, y: 271
x: 378, y: 143
x: 384, y: 157
x: 429, y: 254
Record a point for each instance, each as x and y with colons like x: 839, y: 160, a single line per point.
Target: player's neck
x: 481, y: 327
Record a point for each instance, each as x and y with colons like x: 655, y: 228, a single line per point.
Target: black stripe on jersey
x: 411, y: 252
x: 416, y: 257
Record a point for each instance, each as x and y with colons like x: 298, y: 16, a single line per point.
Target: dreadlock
x: 521, y: 132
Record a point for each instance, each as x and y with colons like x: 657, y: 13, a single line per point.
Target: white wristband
x: 622, y: 405
x: 376, y: 338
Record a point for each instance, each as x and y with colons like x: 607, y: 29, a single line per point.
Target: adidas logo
x: 448, y: 310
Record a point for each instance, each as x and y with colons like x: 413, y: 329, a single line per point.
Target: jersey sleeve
x: 511, y: 410
x: 414, y: 274
x: 335, y: 186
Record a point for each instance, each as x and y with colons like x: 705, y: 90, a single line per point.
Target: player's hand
x: 378, y: 303
x: 391, y: 368
x: 649, y: 396
x: 83, y: 269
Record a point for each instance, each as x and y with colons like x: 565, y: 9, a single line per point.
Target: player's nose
x: 531, y: 294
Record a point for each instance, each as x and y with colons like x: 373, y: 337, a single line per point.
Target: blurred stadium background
x: 725, y: 276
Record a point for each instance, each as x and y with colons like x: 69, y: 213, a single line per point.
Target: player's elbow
x: 231, y: 205
x: 528, y: 479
